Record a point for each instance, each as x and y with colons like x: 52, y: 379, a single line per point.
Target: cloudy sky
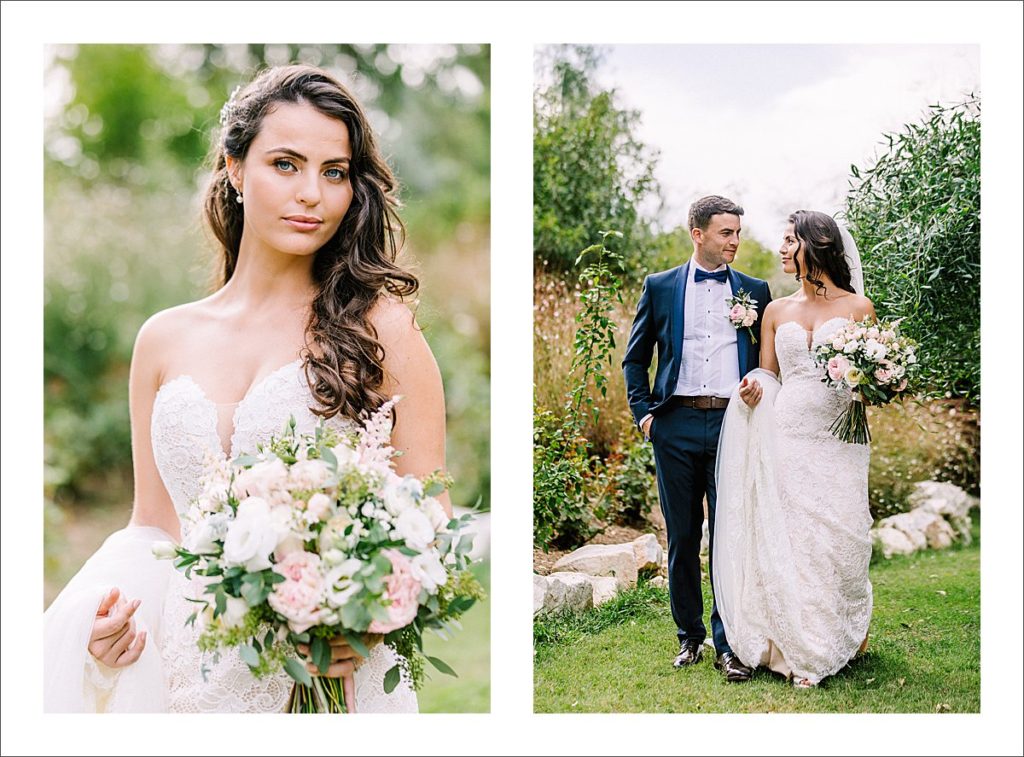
x: 776, y: 127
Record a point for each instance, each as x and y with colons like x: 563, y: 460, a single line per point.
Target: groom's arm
x: 637, y: 360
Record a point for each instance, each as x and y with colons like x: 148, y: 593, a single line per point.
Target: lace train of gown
x: 184, y: 429
x: 792, y: 542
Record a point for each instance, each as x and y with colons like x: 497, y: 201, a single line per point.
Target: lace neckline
x: 186, y: 378
x: 811, y: 332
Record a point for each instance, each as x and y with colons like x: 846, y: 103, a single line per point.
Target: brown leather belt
x: 700, y: 403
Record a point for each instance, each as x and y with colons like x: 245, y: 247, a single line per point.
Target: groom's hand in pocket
x: 113, y: 640
x: 646, y: 428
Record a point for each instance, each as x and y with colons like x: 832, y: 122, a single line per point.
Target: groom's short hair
x: 702, y: 210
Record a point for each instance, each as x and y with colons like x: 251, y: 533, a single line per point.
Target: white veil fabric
x: 752, y: 544
x: 74, y: 681
x: 853, y: 259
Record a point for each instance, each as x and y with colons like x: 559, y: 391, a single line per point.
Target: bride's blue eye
x: 283, y: 164
x: 338, y: 174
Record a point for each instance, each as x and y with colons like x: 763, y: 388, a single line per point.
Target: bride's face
x: 295, y: 180
x: 790, y: 250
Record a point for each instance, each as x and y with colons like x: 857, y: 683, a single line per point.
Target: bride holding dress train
x: 792, y: 528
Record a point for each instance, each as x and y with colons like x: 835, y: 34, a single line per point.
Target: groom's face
x: 718, y: 243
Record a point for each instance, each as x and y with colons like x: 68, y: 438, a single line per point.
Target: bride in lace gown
x: 791, y: 534
x: 308, y: 323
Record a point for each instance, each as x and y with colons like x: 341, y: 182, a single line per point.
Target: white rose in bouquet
x: 203, y: 537
x: 429, y: 571
x: 341, y: 585
x: 401, y: 493
x: 234, y: 612
x: 435, y: 511
x: 414, y: 527
x: 252, y: 536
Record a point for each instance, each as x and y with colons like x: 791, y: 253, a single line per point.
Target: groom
x: 701, y: 358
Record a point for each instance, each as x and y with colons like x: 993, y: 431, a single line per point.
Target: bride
x: 308, y: 322
x: 791, y: 535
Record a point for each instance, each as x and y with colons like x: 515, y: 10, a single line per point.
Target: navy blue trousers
x: 685, y: 446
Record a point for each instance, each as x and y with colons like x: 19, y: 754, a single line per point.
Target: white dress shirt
x: 710, y: 363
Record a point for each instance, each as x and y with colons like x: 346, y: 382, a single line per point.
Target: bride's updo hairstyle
x: 822, y: 245
x: 343, y: 358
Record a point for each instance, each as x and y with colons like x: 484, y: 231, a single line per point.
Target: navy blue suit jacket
x: 659, y: 323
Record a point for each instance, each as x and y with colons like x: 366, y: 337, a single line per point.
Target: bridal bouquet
x: 871, y: 360
x: 313, y: 537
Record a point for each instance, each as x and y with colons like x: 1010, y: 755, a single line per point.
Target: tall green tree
x: 590, y: 171
x: 915, y: 214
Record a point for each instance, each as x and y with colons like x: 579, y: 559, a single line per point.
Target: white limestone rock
x: 647, y: 552
x: 947, y: 500
x: 891, y: 541
x: 616, y: 560
x: 554, y: 594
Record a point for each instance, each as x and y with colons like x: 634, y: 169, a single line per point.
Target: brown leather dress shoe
x: 689, y: 653
x: 735, y: 671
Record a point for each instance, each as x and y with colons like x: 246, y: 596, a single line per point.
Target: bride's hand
x: 113, y: 640
x: 751, y: 391
x: 344, y: 661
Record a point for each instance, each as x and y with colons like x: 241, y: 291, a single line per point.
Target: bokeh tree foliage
x: 915, y: 214
x: 590, y: 172
x: 127, y: 131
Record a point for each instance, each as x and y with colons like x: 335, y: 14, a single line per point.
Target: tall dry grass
x: 555, y: 307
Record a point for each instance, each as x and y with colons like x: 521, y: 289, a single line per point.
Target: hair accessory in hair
x: 229, y: 107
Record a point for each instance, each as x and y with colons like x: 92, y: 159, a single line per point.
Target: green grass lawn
x: 924, y: 653
x: 469, y: 653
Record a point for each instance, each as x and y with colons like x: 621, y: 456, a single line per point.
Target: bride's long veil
x: 853, y: 259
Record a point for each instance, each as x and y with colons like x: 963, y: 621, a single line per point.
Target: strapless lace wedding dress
x: 792, y: 550
x: 186, y: 426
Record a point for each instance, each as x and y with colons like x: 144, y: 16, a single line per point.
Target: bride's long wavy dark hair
x: 343, y: 357
x: 823, y: 249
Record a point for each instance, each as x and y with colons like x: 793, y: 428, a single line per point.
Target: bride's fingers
x: 133, y: 652
x: 335, y: 670
x: 107, y: 602
x: 118, y: 648
x: 348, y: 686
x: 343, y: 652
x: 100, y: 646
x: 116, y: 621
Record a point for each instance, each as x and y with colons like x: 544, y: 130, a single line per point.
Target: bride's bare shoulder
x: 165, y: 332
x: 860, y: 307
x: 392, y: 319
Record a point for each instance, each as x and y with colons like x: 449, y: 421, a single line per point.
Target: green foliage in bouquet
x: 235, y: 610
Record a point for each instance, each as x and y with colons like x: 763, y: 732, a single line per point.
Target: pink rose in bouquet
x: 403, y: 591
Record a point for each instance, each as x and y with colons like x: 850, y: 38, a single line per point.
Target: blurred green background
x: 127, y: 128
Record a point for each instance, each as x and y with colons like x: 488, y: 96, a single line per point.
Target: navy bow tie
x: 719, y: 276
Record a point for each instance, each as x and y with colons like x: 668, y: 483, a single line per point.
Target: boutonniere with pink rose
x: 743, y: 312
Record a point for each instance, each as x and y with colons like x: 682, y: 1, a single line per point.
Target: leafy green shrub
x: 589, y: 169
x: 915, y: 216
x: 935, y: 440
x: 629, y: 491
x: 562, y: 460
x: 561, y: 470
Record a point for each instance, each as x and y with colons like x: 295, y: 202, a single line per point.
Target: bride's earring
x: 238, y: 197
